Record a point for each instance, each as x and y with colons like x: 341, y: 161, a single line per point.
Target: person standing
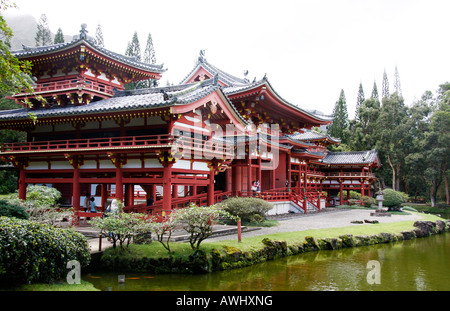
x: 93, y: 206
x: 87, y: 202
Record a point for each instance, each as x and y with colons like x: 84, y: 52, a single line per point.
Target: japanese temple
x: 201, y: 141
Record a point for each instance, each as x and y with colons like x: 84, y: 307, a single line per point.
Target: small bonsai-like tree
x: 198, y: 221
x: 164, y: 229
x: 120, y: 227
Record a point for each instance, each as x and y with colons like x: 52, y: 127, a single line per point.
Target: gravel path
x: 329, y: 219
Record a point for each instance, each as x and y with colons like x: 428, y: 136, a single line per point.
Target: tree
x: 120, y: 227
x: 43, y: 35
x: 418, y: 122
x: 359, y: 100
x: 340, y: 120
x: 397, y: 86
x: 393, y: 141
x: 362, y: 133
x: 149, y: 52
x: 199, y: 220
x: 14, y: 74
x: 134, y: 51
x: 385, y: 86
x: 164, y: 229
x: 149, y: 58
x: 375, y: 91
x: 134, y: 48
x: 99, y: 36
x: 59, y: 37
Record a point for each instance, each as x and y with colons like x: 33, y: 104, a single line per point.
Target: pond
x: 413, y: 265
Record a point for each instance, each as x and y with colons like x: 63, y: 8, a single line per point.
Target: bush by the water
x: 34, y: 252
x: 246, y: 208
x: 12, y: 210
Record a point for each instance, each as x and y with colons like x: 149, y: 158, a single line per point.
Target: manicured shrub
x: 392, y: 198
x: 34, y: 252
x: 368, y: 201
x: 12, y: 210
x: 245, y: 208
x: 40, y: 196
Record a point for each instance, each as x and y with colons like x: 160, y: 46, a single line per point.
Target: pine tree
x: 360, y: 100
x: 374, y: 91
x: 43, y: 35
x: 149, y: 52
x: 59, y: 37
x: 397, y: 87
x: 340, y: 118
x: 149, y: 58
x: 385, y: 86
x: 134, y: 48
x: 99, y: 36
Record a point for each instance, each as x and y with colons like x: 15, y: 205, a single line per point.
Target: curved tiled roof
x: 226, y: 78
x: 127, y: 101
x: 42, y: 50
x: 235, y: 85
x: 352, y: 157
x: 310, y: 135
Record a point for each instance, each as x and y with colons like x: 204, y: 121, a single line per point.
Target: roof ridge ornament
x: 83, y: 31
x: 201, y: 57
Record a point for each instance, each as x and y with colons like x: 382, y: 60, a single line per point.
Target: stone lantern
x: 380, y: 199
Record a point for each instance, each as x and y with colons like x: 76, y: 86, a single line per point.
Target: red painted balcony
x: 65, y: 86
x: 185, y: 146
x: 351, y: 174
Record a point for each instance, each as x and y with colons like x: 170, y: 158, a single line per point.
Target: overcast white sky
x: 310, y: 50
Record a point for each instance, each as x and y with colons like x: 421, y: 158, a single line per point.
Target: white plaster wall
x: 182, y: 164
x: 37, y: 166
x: 152, y: 163
x: 133, y: 163
x: 89, y: 164
x: 200, y: 166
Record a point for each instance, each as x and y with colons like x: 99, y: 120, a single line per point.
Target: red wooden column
x: 104, y: 196
x: 210, y: 194
x: 249, y: 173
x: 341, y: 190
x: 258, y: 171
x: 175, y: 191
x: 288, y: 169
x: 119, y: 184
x: 305, y: 178
x: 22, y: 183
x: 76, y: 188
x: 167, y: 186
x: 228, y: 180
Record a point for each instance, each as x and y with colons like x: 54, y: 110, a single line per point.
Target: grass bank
x: 227, y: 254
x: 230, y: 254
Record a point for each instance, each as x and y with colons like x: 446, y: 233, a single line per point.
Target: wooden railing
x: 93, y: 143
x: 350, y: 174
x: 295, y: 195
x: 186, y: 146
x: 73, y: 84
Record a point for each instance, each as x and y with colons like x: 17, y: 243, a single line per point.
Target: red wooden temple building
x: 200, y: 141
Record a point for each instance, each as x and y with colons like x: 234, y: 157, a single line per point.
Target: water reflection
x: 416, y: 265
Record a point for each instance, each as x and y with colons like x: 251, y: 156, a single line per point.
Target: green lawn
x: 183, y: 249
